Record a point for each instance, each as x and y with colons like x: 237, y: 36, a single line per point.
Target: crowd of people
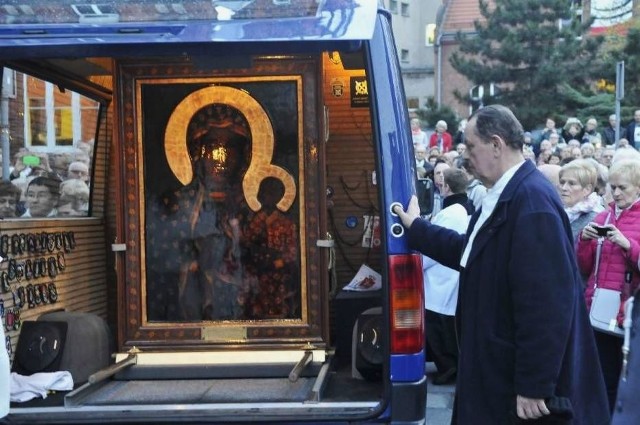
x: 586, y: 234
x: 37, y: 189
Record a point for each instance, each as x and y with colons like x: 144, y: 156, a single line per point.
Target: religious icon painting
x: 220, y: 183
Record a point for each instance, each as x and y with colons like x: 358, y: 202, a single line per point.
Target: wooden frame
x: 159, y: 105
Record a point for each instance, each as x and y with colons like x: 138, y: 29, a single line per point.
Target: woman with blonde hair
x: 576, y: 185
x: 615, y: 234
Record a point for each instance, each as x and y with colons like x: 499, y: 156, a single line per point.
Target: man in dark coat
x: 526, y: 345
x: 633, y: 130
x: 609, y: 132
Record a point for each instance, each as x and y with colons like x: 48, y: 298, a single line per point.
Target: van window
x: 49, y: 152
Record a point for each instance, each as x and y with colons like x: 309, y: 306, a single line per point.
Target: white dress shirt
x: 488, y: 205
x: 441, y: 282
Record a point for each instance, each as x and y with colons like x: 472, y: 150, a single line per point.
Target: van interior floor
x: 340, y: 387
x: 200, y: 391
x: 245, y: 390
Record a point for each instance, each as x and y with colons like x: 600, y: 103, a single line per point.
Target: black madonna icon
x: 222, y: 246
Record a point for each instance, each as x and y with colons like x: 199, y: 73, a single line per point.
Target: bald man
x: 551, y: 172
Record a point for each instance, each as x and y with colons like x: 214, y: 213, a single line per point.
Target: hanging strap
x: 598, y: 253
x: 626, y: 345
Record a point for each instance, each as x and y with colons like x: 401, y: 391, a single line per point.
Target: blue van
x: 202, y: 230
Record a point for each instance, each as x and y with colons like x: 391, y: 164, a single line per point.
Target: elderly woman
x: 419, y: 137
x: 576, y: 185
x: 74, y: 198
x: 441, y: 139
x: 617, y: 267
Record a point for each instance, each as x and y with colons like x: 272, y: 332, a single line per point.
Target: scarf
x: 589, y: 204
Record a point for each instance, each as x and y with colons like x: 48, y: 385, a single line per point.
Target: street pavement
x: 439, y: 399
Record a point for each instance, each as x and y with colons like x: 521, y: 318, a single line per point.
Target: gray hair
x: 498, y: 120
x: 442, y: 124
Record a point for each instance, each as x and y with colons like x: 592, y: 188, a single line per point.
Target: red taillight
x: 407, y: 304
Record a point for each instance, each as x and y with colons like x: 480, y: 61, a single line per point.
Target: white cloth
x: 488, y: 205
x: 440, y: 282
x: 587, y: 205
x: 24, y: 388
x: 476, y: 193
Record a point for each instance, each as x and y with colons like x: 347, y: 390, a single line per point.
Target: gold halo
x: 262, y: 142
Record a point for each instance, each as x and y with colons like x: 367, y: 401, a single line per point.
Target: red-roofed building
x: 457, y: 15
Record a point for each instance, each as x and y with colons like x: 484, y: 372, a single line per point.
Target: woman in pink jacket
x: 618, y: 265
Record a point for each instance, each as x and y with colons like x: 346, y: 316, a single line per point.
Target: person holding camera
x: 28, y: 164
x: 617, y: 231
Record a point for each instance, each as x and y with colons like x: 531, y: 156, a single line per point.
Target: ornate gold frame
x: 134, y: 329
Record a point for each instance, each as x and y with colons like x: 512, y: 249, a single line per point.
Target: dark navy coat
x: 630, y: 133
x: 522, y: 322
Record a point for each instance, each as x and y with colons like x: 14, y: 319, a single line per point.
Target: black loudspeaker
x: 347, y: 306
x: 39, y: 348
x: 369, y: 345
x: 89, y: 343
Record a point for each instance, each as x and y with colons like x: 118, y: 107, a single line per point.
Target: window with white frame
x: 56, y: 118
x: 52, y: 131
x: 393, y: 6
x: 478, y: 93
x: 98, y: 13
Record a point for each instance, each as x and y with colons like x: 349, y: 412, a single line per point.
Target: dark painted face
x: 218, y: 145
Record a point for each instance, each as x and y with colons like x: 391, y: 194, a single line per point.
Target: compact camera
x: 601, y: 230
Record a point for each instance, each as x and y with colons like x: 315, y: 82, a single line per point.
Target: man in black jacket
x: 609, y: 132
